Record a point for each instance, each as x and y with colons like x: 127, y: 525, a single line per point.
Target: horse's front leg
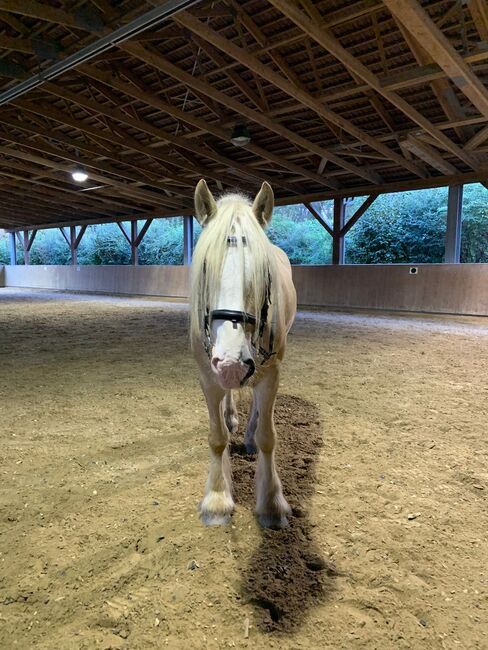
x: 271, y: 506
x: 230, y: 413
x: 250, y: 435
x: 217, y: 504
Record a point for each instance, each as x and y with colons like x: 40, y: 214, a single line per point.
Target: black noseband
x: 233, y: 316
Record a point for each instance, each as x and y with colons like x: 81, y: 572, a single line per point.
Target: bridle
x: 242, y: 317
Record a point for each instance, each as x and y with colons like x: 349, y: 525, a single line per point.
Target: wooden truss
x: 341, y: 99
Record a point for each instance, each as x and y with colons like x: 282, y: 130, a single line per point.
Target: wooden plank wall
x: 437, y: 288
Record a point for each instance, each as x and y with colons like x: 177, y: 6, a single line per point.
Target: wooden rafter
x: 305, y: 98
x: 320, y: 125
x: 159, y: 62
x: 418, y: 22
x: 134, y: 89
x: 442, y: 88
x: 331, y: 44
x: 428, y: 154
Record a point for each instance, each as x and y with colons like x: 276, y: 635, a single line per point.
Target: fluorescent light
x: 79, y: 175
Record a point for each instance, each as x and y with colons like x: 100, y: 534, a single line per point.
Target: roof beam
x: 91, y: 162
x: 397, y: 186
x: 264, y: 71
x: 418, y: 22
x: 145, y: 196
x: 274, y: 55
x: 128, y: 144
x: 49, y: 194
x: 159, y: 62
x: 477, y: 139
x: 42, y: 12
x: 16, y: 44
x: 134, y: 89
x: 441, y: 88
x: 97, y: 155
x: 479, y: 12
x: 108, y: 204
x: 220, y: 62
x: 147, y: 127
x: 332, y: 45
x: 428, y: 154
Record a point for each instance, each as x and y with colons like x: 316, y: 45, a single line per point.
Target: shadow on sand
x: 286, y: 574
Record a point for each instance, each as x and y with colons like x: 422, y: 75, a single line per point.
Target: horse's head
x: 231, y: 280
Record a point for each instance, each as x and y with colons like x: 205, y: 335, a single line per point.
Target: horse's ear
x: 205, y: 205
x: 263, y: 204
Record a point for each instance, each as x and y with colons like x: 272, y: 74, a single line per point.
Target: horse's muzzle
x: 232, y: 374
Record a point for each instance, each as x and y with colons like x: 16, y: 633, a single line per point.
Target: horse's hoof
x: 251, y: 449
x: 275, y: 522
x: 214, y: 519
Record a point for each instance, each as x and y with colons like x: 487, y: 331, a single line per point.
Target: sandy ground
x: 383, y: 427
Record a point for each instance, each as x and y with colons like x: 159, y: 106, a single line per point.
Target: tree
x: 303, y: 239
x: 402, y: 227
x: 474, y: 236
x: 163, y: 243
x: 4, y: 251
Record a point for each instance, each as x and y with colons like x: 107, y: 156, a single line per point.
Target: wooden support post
x: 133, y: 239
x: 453, y: 230
x: 72, y: 245
x: 25, y: 246
x: 12, y: 248
x: 187, y: 240
x: 27, y: 240
x: 338, y: 238
x: 134, y: 258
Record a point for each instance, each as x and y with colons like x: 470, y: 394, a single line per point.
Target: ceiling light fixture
x: 79, y: 175
x: 240, y: 135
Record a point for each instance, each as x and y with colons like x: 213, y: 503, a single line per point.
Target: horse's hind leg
x: 230, y: 412
x: 271, y: 506
x: 217, y: 504
x: 250, y: 435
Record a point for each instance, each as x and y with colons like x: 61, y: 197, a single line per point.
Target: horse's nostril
x: 215, y: 362
x: 252, y: 367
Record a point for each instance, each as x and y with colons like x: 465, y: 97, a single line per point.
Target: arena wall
x: 437, y: 288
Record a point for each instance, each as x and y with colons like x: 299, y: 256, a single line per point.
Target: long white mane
x: 234, y: 218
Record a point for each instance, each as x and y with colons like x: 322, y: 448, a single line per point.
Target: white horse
x: 243, y: 304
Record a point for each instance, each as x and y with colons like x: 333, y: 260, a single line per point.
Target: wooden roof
x: 341, y: 98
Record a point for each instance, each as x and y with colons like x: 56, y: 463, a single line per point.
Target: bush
x: 409, y: 227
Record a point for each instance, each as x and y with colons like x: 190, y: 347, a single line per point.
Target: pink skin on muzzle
x: 229, y: 372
